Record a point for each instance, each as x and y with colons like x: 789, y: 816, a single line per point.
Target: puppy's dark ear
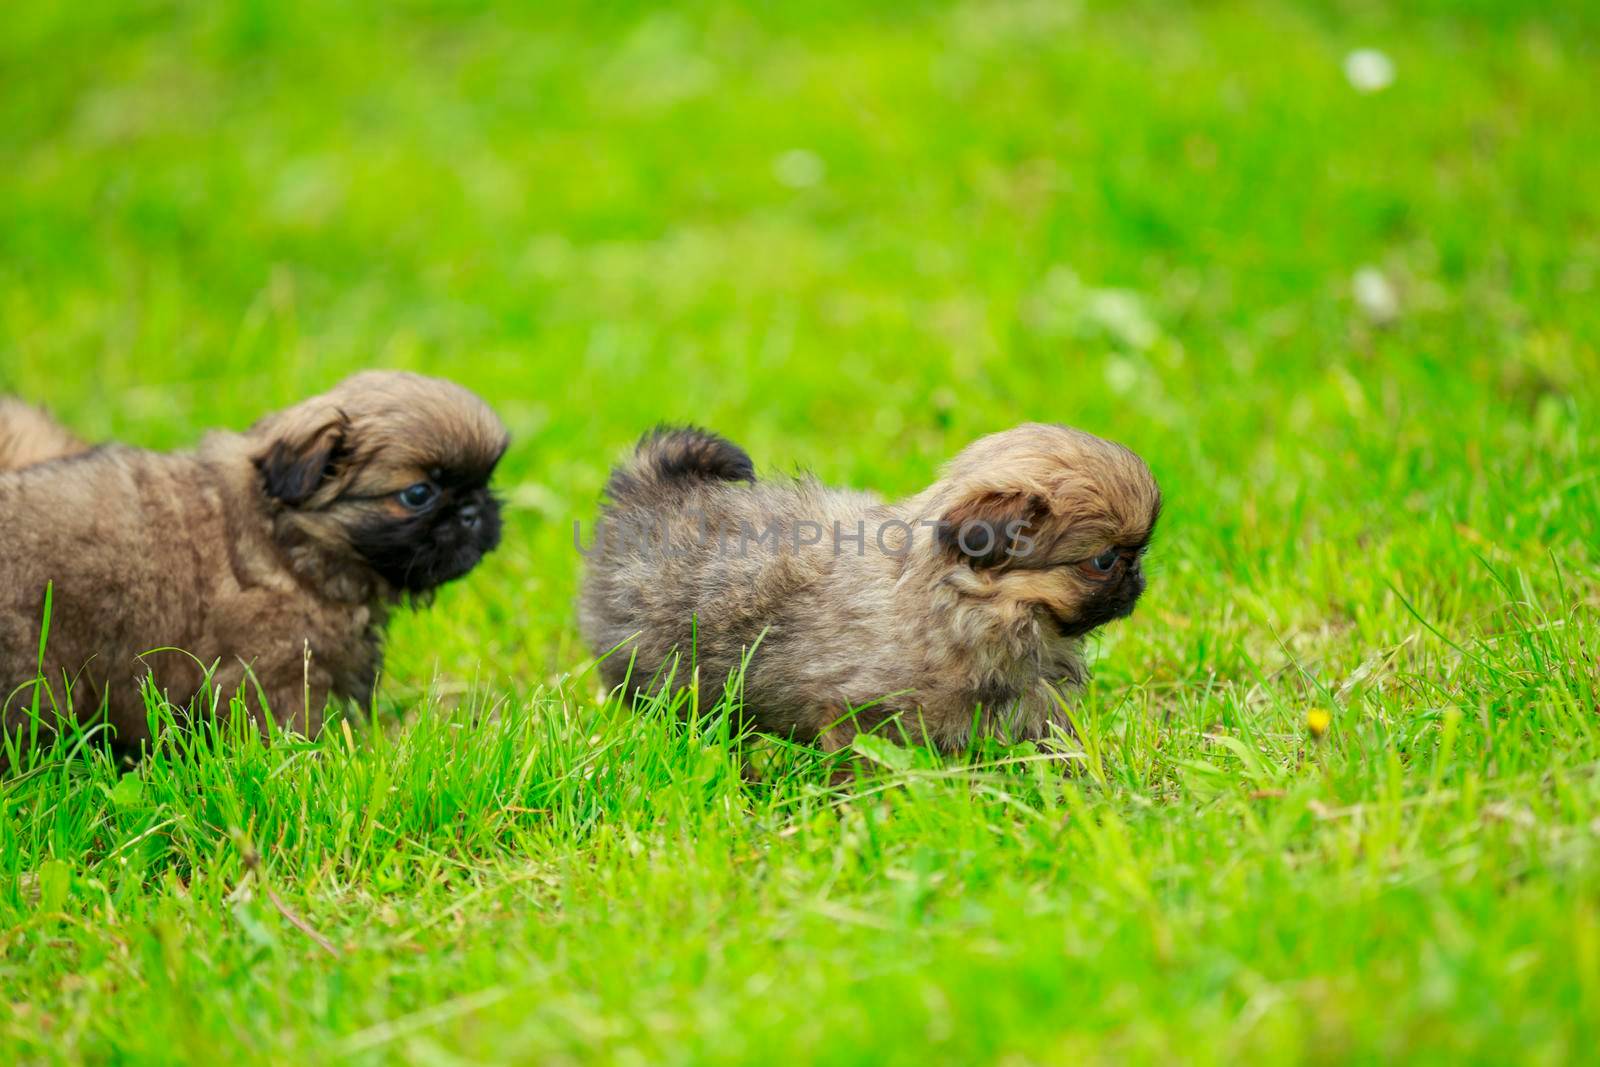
x: 302, y: 456
x: 993, y: 529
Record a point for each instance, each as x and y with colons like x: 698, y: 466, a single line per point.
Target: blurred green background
x: 1347, y: 305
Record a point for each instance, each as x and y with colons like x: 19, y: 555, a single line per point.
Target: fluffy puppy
x: 29, y: 436
x: 271, y: 556
x: 965, y: 605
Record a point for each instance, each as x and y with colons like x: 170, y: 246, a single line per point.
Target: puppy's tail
x: 675, y: 457
x: 29, y: 436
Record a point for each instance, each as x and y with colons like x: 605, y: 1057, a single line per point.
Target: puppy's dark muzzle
x: 479, y: 521
x: 1115, y: 603
x: 466, y: 536
x: 430, y: 550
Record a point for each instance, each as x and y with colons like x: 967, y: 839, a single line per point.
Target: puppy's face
x: 390, y: 469
x: 1057, y: 524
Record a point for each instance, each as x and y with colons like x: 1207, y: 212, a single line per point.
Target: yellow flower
x: 1318, y: 721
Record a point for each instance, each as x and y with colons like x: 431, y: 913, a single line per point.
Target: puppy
x: 271, y: 557
x: 29, y: 436
x: 966, y: 605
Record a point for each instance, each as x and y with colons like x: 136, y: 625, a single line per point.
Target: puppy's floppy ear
x: 302, y: 454
x: 992, y: 529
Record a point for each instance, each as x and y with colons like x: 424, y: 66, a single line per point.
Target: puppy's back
x: 97, y: 528
x: 647, y: 560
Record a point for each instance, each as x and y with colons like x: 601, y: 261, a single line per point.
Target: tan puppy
x: 271, y: 555
x: 965, y: 605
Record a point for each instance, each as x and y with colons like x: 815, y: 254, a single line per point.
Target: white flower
x: 1375, y: 296
x: 1368, y: 70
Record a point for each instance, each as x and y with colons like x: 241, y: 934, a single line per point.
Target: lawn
x: 1353, y: 327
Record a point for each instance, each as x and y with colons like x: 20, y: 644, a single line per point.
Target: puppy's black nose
x: 470, y: 516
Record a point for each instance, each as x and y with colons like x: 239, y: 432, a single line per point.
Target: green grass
x: 1144, y: 221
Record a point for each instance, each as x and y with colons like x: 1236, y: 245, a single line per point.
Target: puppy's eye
x: 416, y: 497
x: 1102, y: 565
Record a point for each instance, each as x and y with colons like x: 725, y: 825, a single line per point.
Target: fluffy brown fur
x: 964, y: 605
x: 272, y: 555
x: 29, y: 436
